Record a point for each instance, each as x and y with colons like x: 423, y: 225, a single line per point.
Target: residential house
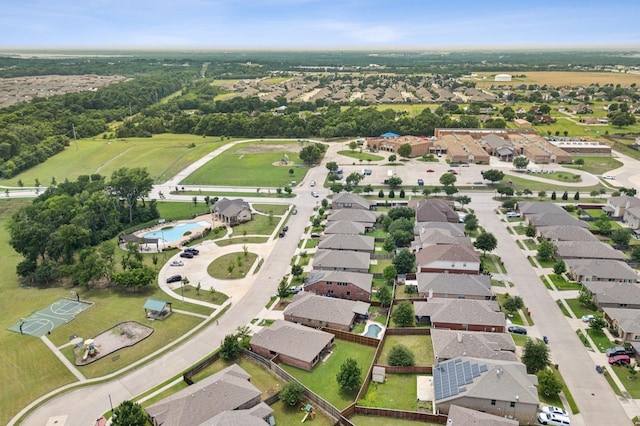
x: 367, y: 217
x: 459, y: 286
x: 434, y: 210
x: 226, y: 390
x: 566, y: 233
x: 521, y: 122
x: 344, y: 285
x: 344, y: 227
x: 319, y: 311
x: 347, y: 200
x: 600, y: 270
x: 455, y: 259
x: 553, y: 219
x: 461, y: 314
x: 537, y: 207
x: 341, y: 260
x: 464, y: 416
x: 455, y: 229
x: 613, y: 294
x: 231, y: 212
x: 435, y: 236
x: 252, y: 417
x: 294, y: 344
x: 587, y: 250
x: 448, y: 344
x: 632, y: 217
x: 360, y: 243
x: 626, y: 321
x: 617, y: 206
x: 502, y: 388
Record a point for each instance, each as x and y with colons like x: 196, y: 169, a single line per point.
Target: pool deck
x: 162, y: 245
x: 369, y: 323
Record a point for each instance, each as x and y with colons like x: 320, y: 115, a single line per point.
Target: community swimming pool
x: 175, y: 233
x: 373, y: 330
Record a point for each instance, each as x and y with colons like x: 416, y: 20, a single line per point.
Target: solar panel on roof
x: 483, y: 368
x: 475, y: 370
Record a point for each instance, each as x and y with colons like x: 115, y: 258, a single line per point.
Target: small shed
x: 378, y: 374
x: 157, y: 309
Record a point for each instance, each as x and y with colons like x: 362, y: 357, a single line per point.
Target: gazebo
x: 157, y: 309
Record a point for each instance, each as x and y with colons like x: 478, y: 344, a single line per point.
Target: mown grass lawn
x: 596, y: 165
x: 232, y: 266
x: 258, y: 225
x: 420, y: 345
x: 364, y: 156
x: 631, y: 383
x: 322, y: 379
x: 242, y: 240
x: 399, y: 391
x: 245, y: 165
x: 562, y: 284
x: 361, y: 420
x: 578, y: 309
x: 378, y: 268
x: 174, y: 210
x: 276, y: 209
x: 600, y: 339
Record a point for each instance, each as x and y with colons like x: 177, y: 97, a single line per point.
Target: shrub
x: 401, y: 355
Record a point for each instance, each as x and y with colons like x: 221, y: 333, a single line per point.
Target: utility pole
x: 73, y: 128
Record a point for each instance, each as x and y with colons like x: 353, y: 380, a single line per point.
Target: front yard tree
x: 129, y: 413
x: 492, y: 175
x: 296, y: 270
x: 542, y: 194
x: 400, y: 355
x: 230, y: 347
x: 404, y: 261
x: 621, y: 237
x: 548, y: 383
x: 470, y: 222
x: 535, y: 355
x: 350, y: 376
x: 292, y: 393
x: 559, y: 267
x: 353, y: 145
x: 486, y: 242
x: 530, y: 231
x: 403, y: 314
x: 283, y: 289
x: 404, y: 150
x: 546, y: 250
x: 513, y: 303
x: 384, y: 295
x: 598, y: 323
x: 520, y: 162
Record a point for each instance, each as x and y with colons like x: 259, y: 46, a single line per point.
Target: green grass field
x: 250, y: 164
x: 399, y: 391
x: 322, y: 379
x: 364, y: 156
x: 596, y: 165
x: 163, y: 156
x: 420, y: 345
x: 231, y: 266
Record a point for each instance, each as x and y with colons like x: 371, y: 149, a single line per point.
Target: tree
x: 604, y: 225
x: 311, y: 154
x: 403, y: 314
x: 486, y: 242
x: 597, y: 323
x: 530, y: 231
x: 350, y: 376
x: 559, y: 267
x: 448, y: 179
x: 621, y: 119
x: 394, y: 182
x: 553, y: 195
x: 296, y: 270
x: 521, y: 162
x: 384, y: 295
x: 621, y: 237
x: 389, y: 244
x: 354, y: 179
x: 393, y: 158
x: 332, y: 166
x: 546, y: 250
x: 565, y: 195
x: 404, y: 261
x: 576, y: 196
x: 404, y: 150
x: 463, y: 200
x: 389, y: 274
x: 470, y: 222
x: 578, y: 162
x: 535, y: 355
x: 400, y: 355
x: 548, y: 383
x: 283, y: 289
x: 513, y: 303
x: 492, y: 175
x: 635, y: 254
x: 542, y: 194
x: 292, y: 393
x: 131, y: 184
x: 129, y: 413
x: 230, y: 347
x: 353, y: 145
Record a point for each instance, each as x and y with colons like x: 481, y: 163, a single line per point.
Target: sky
x: 318, y: 24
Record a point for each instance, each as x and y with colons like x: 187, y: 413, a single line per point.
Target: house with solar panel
x: 496, y: 387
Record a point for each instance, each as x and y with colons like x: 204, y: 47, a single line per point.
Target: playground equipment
x: 310, y: 414
x: 89, y: 349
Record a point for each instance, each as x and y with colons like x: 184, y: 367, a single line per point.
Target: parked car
x: 366, y: 172
x: 192, y: 250
x: 553, y: 419
x: 282, y: 234
x: 465, y: 164
x: 513, y: 214
x: 420, y: 182
x: 313, y: 183
x: 619, y: 360
x: 177, y: 263
x: 314, y: 194
x: 550, y: 409
x: 478, y: 182
x: 430, y: 170
x: 295, y: 289
x: 609, y: 177
x: 599, y: 369
x: 315, y: 235
x: 545, y: 339
x: 517, y: 329
x: 174, y: 278
x: 587, y: 318
x: 294, y: 211
x: 186, y: 255
x: 619, y: 350
x: 285, y: 228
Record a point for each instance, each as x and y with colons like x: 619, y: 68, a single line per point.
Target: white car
x: 587, y: 318
x: 313, y: 183
x: 314, y: 194
x: 550, y: 409
x: 609, y: 177
x: 177, y: 263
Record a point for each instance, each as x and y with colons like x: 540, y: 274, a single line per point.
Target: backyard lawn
x: 383, y: 421
x: 420, y: 345
x: 322, y: 379
x: 399, y: 391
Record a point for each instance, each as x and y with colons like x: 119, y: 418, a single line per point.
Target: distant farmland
x: 561, y: 78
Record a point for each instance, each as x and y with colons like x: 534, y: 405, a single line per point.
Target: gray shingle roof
x: 294, y: 340
x: 465, y: 416
x: 566, y: 233
x: 327, y: 309
x: 435, y: 210
x: 587, y: 250
x: 449, y: 344
x: 537, y: 207
x: 349, y: 198
x: 461, y: 311
x: 341, y: 259
x: 251, y: 417
x: 447, y: 253
x: 347, y: 242
x: 344, y: 227
x: 441, y: 236
x: 456, y: 229
x: 230, y: 208
x: 353, y: 215
x: 463, y: 284
x: 612, y: 292
x: 629, y: 319
x: 555, y: 219
x: 359, y: 279
x: 226, y: 390
x: 602, y: 268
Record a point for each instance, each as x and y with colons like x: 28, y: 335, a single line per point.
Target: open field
x: 253, y: 164
x: 163, y: 156
x: 560, y: 78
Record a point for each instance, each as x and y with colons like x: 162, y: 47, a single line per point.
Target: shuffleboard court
x: 45, y: 320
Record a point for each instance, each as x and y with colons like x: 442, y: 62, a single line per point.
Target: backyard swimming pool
x: 373, y: 330
x: 174, y: 234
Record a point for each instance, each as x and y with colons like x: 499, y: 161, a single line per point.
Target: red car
x: 619, y: 360
x: 453, y: 172
x: 430, y: 170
